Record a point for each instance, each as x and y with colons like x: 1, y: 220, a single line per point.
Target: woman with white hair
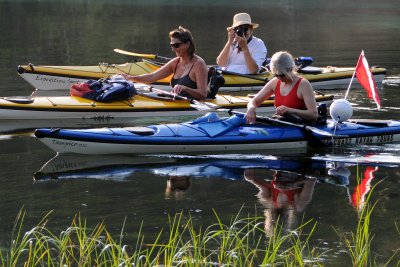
x: 294, y: 95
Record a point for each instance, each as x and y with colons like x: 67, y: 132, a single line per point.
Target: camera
x: 241, y: 30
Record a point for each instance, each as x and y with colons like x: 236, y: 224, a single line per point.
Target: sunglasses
x: 175, y: 45
x: 244, y: 28
x: 279, y: 75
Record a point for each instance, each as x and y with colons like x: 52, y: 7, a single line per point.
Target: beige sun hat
x: 242, y: 19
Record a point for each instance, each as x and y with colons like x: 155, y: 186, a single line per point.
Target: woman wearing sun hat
x: 243, y: 52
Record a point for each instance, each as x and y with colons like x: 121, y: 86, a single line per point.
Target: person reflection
x: 283, y: 198
x: 177, y: 186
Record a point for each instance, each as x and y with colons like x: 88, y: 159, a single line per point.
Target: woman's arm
x: 223, y: 57
x: 247, y: 54
x: 159, y: 74
x: 305, y: 196
x: 267, y: 91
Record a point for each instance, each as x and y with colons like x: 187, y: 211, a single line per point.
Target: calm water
x: 86, y: 32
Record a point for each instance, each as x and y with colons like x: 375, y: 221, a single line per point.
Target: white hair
x: 283, y: 62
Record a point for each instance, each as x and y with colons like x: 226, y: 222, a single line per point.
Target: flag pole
x: 352, y: 77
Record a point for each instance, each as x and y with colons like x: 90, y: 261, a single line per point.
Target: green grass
x: 241, y: 242
x: 358, y: 243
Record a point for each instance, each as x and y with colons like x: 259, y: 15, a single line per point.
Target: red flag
x: 366, y: 79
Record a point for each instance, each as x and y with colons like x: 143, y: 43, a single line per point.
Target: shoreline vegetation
x: 241, y: 242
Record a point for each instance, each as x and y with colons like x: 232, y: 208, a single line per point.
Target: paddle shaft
x: 174, y: 96
x: 133, y: 54
x: 194, y: 103
x: 153, y: 56
x: 308, y: 130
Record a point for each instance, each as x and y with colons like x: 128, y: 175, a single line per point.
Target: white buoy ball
x: 341, y: 110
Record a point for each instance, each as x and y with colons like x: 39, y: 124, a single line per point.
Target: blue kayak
x: 211, y: 133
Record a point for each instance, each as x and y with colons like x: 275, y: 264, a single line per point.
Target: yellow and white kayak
x: 62, y: 77
x: 141, y: 105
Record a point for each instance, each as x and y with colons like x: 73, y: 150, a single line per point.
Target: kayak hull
x: 205, y: 135
x: 94, y: 148
x: 62, y: 77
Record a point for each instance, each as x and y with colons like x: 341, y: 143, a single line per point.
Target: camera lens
x: 239, y: 32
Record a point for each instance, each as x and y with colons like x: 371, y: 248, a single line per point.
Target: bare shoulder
x: 267, y: 90
x: 306, y: 90
x: 172, y: 63
x: 200, y: 64
x: 305, y: 84
x: 304, y: 81
x: 200, y: 61
x: 272, y: 83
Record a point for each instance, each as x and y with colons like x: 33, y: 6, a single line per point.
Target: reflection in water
x: 358, y: 198
x: 286, y: 185
x: 287, y: 193
x: 282, y: 198
x: 177, y: 186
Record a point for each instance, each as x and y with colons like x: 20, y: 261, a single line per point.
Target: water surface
x: 136, y: 188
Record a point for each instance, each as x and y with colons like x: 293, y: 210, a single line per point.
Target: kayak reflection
x: 226, y: 166
x: 288, y: 191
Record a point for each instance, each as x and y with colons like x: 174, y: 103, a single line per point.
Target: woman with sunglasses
x: 243, y: 53
x: 189, y: 70
x: 294, y: 95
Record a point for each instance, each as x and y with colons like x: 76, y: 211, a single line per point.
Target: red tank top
x: 291, y: 100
